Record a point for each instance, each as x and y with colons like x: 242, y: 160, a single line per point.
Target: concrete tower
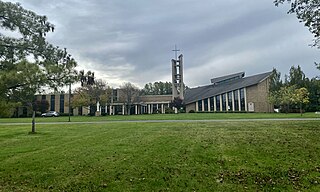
x: 177, y: 78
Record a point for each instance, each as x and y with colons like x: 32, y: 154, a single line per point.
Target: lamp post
x: 69, y: 102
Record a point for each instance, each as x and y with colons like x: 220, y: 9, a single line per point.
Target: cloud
x: 132, y: 40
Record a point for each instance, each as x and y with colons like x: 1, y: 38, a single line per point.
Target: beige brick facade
x: 258, y: 95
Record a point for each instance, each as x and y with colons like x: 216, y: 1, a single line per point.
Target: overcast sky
x: 132, y: 40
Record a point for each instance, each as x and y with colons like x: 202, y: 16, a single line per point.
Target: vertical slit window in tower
x: 211, y: 104
x: 200, y: 105
x: 230, y: 107
x: 236, y: 100
x: 224, y: 108
x: 218, y: 102
x: 242, y: 100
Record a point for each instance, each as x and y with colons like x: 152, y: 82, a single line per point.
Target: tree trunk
x: 301, y: 109
x: 33, y: 130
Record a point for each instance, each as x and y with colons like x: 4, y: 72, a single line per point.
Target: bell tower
x: 177, y: 76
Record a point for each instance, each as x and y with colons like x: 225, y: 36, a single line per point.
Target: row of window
x: 231, y: 101
x: 53, y: 102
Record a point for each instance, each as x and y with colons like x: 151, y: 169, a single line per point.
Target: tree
x: 307, y: 11
x: 177, y: 103
x: 296, y: 77
x: 275, y: 81
x: 158, y: 88
x: 301, y: 97
x: 20, y: 78
x: 283, y: 97
x: 90, y: 95
x: 129, y: 94
x: 313, y: 87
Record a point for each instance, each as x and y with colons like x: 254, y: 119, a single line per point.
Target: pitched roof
x: 203, y: 92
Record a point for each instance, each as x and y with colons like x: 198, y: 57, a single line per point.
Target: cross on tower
x: 176, y: 51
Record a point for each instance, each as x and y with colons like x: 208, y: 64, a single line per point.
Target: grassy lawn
x: 183, y: 116
x: 199, y: 156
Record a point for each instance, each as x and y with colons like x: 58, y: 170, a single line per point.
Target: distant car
x: 50, y: 114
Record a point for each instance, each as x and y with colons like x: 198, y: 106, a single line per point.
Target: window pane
x: 236, y: 100
x: 242, y: 101
x: 218, y: 102
x: 200, y: 105
x: 230, y: 107
x: 224, y: 106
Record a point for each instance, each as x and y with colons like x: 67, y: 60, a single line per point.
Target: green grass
x: 183, y: 116
x: 136, y: 156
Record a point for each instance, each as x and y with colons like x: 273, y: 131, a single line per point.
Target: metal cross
x: 176, y: 51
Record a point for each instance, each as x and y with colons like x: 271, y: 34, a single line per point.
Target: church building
x: 231, y: 93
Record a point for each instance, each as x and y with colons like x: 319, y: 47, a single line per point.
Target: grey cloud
x: 132, y: 40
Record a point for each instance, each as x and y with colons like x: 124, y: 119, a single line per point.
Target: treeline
x: 157, y: 88
x: 297, y: 93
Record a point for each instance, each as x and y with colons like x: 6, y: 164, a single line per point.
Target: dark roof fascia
x: 219, y: 79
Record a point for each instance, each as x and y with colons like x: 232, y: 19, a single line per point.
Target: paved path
x: 167, y: 121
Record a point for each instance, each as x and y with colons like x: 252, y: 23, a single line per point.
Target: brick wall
x: 258, y: 94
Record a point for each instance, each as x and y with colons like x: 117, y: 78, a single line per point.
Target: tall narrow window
x: 61, y: 104
x: 52, y: 103
x: 218, y: 103
x: 200, y: 105
x: 242, y: 100
x: 236, y: 100
x: 230, y: 107
x: 211, y: 104
x: 224, y: 104
x: 205, y: 102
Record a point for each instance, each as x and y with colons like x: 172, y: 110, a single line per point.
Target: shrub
x: 169, y: 110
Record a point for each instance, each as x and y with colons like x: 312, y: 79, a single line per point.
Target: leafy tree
x: 129, y: 94
x: 301, y: 97
x: 283, y: 97
x: 158, y: 88
x: 21, y: 79
x: 296, y: 77
x: 177, y: 103
x: 90, y: 95
x: 307, y: 11
x: 275, y: 81
x: 313, y: 86
x: 86, y: 79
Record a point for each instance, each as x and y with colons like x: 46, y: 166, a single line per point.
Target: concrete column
x: 214, y: 103
x: 162, y: 109
x: 227, y: 102
x: 239, y: 102
x: 232, y: 93
x: 136, y: 109
x: 122, y: 109
x: 220, y: 102
x: 149, y: 110
x: 197, y: 106
x: 209, y: 104
x: 202, y: 104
